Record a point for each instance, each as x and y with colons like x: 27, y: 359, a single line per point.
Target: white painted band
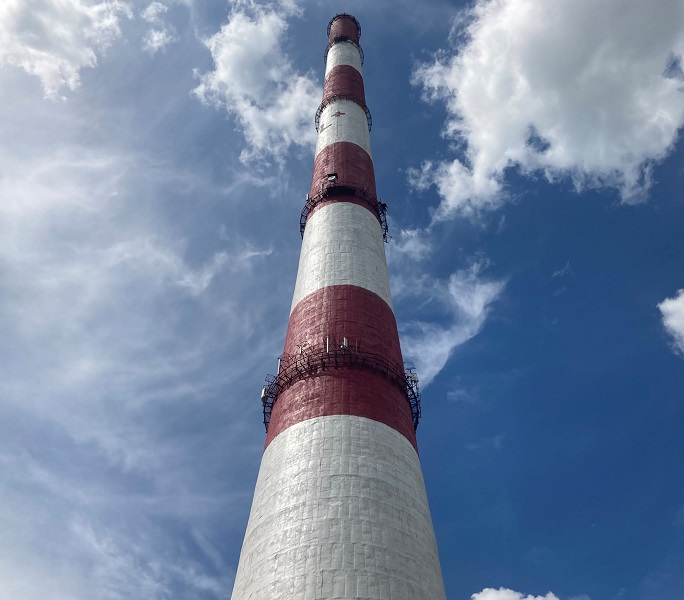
x: 342, y: 245
x: 343, y: 121
x: 343, y: 53
x: 339, y: 511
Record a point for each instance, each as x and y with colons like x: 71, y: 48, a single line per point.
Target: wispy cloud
x: 70, y: 534
x: 413, y: 244
x: 566, y: 270
x: 55, y: 40
x: 672, y: 311
x: 494, y: 442
x: 255, y: 81
x: 463, y: 396
x: 160, y: 34
x: 116, y: 339
x: 572, y: 89
x: 465, y: 301
x: 507, y: 594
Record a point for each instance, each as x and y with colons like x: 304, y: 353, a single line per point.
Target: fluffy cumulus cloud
x: 55, y: 40
x: 590, y: 91
x: 672, y: 311
x: 506, y: 594
x: 160, y: 34
x: 466, y: 298
x: 256, y: 82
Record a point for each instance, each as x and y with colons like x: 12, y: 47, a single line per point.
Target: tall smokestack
x: 340, y: 509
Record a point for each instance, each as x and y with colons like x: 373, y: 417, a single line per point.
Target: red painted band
x: 361, y: 316
x: 344, y: 26
x: 340, y: 311
x: 344, y: 80
x: 344, y: 391
x: 351, y: 163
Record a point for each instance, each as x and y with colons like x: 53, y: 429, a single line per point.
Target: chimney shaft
x: 340, y: 509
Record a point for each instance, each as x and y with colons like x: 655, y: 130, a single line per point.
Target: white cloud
x: 114, y: 340
x: 506, y: 594
x: 163, y: 264
x: 82, y: 275
x: 255, y: 81
x: 581, y: 89
x: 462, y: 396
x: 468, y: 297
x: 153, y: 12
x: 566, y: 270
x: 462, y: 190
x: 66, y: 536
x: 161, y: 34
x: 413, y: 244
x: 158, y: 39
x: 672, y: 311
x: 55, y: 40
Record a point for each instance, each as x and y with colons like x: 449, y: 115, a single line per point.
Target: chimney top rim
x: 342, y: 15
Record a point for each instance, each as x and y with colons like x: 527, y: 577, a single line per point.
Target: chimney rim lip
x: 339, y: 16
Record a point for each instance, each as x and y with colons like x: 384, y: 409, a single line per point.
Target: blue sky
x: 154, y: 158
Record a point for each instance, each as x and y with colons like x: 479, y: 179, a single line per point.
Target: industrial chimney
x: 339, y: 509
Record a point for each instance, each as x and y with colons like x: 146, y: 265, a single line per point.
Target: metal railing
x: 334, y: 187
x: 337, y: 16
x: 309, y: 362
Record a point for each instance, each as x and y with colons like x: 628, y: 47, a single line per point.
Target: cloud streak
x: 115, y: 342
x: 507, y: 594
x: 467, y: 298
